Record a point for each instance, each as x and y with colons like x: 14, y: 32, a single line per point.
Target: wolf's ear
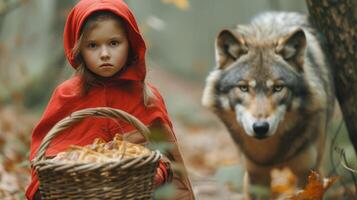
x: 292, y: 48
x: 229, y: 47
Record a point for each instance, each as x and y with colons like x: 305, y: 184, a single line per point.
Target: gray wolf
x: 273, y: 90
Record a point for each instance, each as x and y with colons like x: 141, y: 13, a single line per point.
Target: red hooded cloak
x: 124, y: 91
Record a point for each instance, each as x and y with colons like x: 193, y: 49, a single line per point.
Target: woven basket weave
x: 129, y: 178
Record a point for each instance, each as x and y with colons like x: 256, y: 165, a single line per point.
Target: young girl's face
x: 105, y: 48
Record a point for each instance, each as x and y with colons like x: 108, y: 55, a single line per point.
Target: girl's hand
x: 159, y: 178
x: 164, y: 172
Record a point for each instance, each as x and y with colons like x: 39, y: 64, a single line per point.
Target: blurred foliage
x: 31, y: 50
x: 8, y: 5
x: 164, y: 192
x: 259, y: 191
x: 15, y: 127
x: 231, y: 176
x: 159, y: 142
x: 181, y: 4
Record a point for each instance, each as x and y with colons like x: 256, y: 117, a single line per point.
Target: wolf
x: 272, y: 87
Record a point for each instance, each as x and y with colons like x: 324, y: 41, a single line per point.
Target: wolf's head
x: 258, y: 79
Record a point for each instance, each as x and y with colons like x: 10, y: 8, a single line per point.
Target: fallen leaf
x: 315, y: 187
x: 283, y: 182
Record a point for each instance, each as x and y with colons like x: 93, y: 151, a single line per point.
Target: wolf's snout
x: 261, y: 129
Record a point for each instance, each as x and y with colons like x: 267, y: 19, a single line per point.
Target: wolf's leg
x: 303, y: 163
x: 255, y: 182
x: 246, y: 186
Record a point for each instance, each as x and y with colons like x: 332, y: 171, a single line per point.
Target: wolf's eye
x: 243, y: 88
x: 278, y: 88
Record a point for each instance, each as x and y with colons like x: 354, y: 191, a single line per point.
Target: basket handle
x: 100, y: 112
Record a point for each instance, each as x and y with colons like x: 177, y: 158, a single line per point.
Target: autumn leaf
x: 181, y: 4
x: 315, y: 187
x: 15, y: 126
x: 283, y: 182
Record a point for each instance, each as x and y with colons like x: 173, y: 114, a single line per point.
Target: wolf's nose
x: 261, y: 129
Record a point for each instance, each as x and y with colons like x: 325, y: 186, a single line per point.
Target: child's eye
x: 114, y: 43
x: 92, y: 45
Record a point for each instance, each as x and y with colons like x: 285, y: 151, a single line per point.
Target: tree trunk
x: 41, y: 88
x: 337, y: 20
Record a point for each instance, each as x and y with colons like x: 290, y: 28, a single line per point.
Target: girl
x: 103, y: 43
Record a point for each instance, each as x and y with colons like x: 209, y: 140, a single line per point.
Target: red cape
x: 124, y: 91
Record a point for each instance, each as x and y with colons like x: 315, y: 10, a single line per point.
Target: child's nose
x: 104, y: 53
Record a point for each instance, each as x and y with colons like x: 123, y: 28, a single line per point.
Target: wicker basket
x: 130, y: 178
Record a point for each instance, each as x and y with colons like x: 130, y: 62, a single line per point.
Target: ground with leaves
x: 15, y: 128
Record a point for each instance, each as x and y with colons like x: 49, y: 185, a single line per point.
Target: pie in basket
x: 101, y: 151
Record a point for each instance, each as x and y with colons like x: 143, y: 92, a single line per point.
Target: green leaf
x: 161, y: 146
x: 259, y: 191
x: 164, y: 192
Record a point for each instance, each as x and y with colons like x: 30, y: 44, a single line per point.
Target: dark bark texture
x: 337, y: 20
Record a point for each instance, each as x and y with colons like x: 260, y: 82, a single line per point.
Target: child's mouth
x: 106, y: 65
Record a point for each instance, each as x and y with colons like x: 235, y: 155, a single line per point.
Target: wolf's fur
x: 273, y: 72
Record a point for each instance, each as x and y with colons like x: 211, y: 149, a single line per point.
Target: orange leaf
x: 315, y: 187
x: 283, y: 182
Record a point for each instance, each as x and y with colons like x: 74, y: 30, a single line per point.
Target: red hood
x: 79, y: 14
